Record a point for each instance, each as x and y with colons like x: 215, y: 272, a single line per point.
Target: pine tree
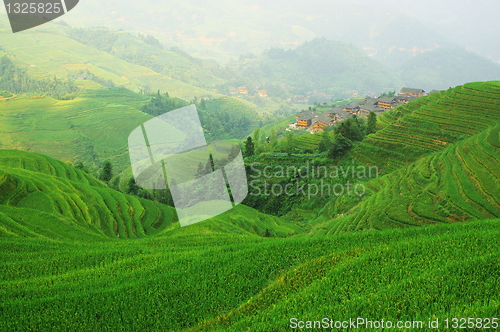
x: 289, y: 143
x: 132, y: 187
x: 371, y: 126
x: 249, y: 147
x: 107, y: 172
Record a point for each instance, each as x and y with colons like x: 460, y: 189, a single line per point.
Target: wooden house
x: 243, y: 90
x: 320, y: 121
x: 262, y: 93
x: 385, y: 102
x: 412, y: 92
x: 304, y: 118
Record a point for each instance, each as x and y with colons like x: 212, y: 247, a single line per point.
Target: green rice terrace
x: 422, y: 244
x: 441, y: 160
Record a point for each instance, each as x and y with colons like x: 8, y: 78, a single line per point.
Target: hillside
x: 46, y: 51
x: 89, y: 129
x: 440, y: 159
x: 44, y: 198
x: 95, y: 126
x: 321, y: 66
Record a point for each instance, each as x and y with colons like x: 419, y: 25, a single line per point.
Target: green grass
x: 201, y: 281
x: 89, y: 129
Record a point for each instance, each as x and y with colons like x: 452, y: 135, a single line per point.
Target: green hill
x: 440, y: 158
x: 95, y: 126
x: 43, y: 197
x: 48, y: 51
x: 89, y: 129
x: 40, y: 193
x: 76, y: 255
x: 320, y: 65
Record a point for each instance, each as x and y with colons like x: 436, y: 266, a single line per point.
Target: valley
x: 361, y: 202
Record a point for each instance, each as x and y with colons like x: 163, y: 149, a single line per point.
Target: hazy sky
x: 475, y: 25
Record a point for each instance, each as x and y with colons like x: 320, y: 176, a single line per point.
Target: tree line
x: 16, y: 80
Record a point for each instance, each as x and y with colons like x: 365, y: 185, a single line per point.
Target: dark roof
x: 411, y: 90
x: 371, y: 107
x: 306, y: 115
x: 323, y: 118
x: 340, y: 113
x: 385, y: 99
x: 351, y: 105
x: 368, y: 101
x: 402, y: 97
x: 434, y: 91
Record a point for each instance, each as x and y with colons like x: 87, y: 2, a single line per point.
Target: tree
x: 249, y: 147
x: 325, y: 144
x: 107, y: 172
x: 340, y: 146
x: 256, y: 141
x: 371, y: 126
x: 289, y: 143
x: 132, y: 187
x: 273, y: 139
x: 350, y: 129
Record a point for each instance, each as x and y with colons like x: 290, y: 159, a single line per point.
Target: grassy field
x: 89, y: 129
x: 201, y: 279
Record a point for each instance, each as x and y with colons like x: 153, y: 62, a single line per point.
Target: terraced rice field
x: 430, y: 124
x: 455, y: 180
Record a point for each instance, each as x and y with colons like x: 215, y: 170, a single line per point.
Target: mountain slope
x: 43, y: 197
x: 433, y: 174
x: 320, y: 65
x: 47, y: 51
x: 66, y: 193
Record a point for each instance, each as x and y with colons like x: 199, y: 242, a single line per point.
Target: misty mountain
x: 227, y: 29
x: 447, y: 67
x: 319, y: 66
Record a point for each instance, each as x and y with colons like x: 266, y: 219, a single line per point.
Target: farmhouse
x: 385, y: 102
x: 304, y: 118
x: 367, y: 108
x: 262, y: 93
x: 319, y: 122
x: 404, y: 98
x: 243, y: 90
x: 352, y: 107
x: 316, y: 121
x: 338, y: 114
x: 412, y: 92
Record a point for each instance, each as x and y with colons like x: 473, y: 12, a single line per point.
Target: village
x: 317, y: 122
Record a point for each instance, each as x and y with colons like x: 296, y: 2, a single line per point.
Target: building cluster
x: 318, y: 121
x: 313, y: 120
x: 242, y: 90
